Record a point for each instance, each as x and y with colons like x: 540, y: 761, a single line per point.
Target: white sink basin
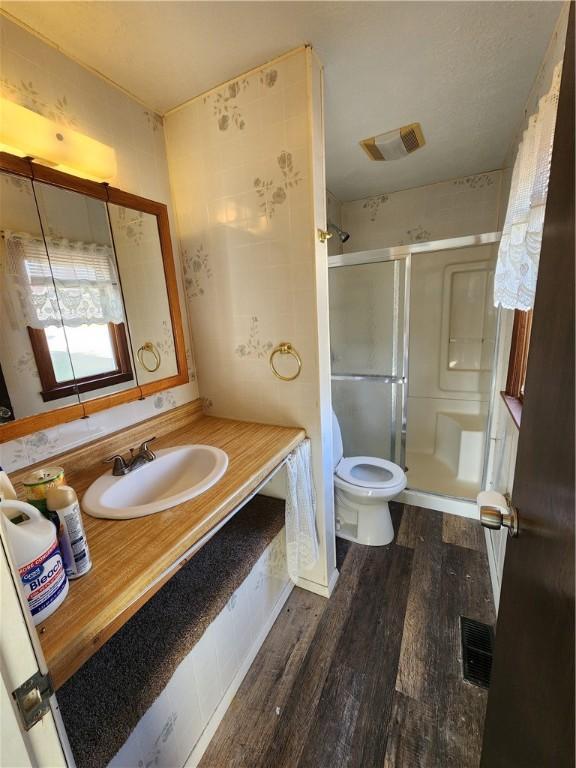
x: 175, y: 475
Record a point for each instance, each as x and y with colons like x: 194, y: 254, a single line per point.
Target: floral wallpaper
x: 197, y: 270
x: 373, y: 205
x: 241, y: 240
x: 479, y: 181
x: 453, y: 208
x: 272, y: 194
x: 254, y: 346
x: 417, y: 235
x: 26, y: 94
x: 224, y: 102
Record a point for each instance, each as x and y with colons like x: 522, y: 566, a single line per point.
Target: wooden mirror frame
x: 24, y: 166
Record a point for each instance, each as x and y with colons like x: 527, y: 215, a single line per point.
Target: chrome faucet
x: 137, y: 459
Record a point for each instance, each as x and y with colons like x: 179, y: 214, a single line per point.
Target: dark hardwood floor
x: 371, y: 677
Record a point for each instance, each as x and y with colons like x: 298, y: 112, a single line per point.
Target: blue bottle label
x: 43, y: 579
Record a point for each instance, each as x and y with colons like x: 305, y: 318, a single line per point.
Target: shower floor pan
x: 426, y: 472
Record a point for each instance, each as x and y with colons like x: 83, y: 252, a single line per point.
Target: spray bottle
x: 63, y: 501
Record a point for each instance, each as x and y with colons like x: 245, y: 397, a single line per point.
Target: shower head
x: 343, y: 236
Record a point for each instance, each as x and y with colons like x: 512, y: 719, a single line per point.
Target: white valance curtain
x: 76, y: 286
x: 519, y: 252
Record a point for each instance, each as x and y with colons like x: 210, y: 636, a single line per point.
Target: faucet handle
x: 120, y: 467
x: 144, y: 447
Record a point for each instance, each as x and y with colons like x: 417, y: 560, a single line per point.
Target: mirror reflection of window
x: 24, y: 302
x: 139, y: 255
x: 89, y: 296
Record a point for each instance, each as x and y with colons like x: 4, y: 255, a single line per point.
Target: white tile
x: 224, y: 627
x: 185, y: 702
x: 206, y: 674
x: 156, y: 732
x: 247, y: 618
x: 129, y: 755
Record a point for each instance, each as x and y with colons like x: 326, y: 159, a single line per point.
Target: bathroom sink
x: 175, y: 475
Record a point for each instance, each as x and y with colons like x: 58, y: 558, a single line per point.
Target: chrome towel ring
x: 285, y: 348
x: 149, y: 347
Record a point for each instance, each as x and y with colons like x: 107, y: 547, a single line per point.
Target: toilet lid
x: 370, y: 472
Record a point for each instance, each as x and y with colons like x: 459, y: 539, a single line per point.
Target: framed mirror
x: 89, y: 305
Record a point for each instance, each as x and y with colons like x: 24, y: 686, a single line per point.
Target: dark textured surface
x: 102, y: 703
x: 372, y: 677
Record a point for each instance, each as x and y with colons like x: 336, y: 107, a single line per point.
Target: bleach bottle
x: 36, y: 555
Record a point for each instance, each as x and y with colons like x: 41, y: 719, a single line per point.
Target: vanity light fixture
x: 28, y: 134
x: 395, y: 144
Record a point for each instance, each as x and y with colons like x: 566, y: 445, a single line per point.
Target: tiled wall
x: 244, y: 166
x: 41, y: 78
x: 452, y: 208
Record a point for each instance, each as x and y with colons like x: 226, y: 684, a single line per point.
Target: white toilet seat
x: 371, y: 472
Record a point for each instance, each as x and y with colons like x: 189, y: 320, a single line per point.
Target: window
x: 518, y: 363
x: 69, y: 294
x: 67, y: 363
x: 519, y: 354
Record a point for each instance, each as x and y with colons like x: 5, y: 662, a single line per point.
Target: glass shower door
x: 368, y: 337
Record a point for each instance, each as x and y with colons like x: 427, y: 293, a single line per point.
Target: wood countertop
x: 132, y: 559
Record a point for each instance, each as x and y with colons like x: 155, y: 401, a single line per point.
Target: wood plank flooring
x: 372, y: 677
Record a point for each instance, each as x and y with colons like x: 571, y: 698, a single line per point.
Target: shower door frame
x: 405, y: 252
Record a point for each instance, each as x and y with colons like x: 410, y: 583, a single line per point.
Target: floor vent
x: 477, y: 649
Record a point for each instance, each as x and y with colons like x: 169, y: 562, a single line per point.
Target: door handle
x: 496, y: 517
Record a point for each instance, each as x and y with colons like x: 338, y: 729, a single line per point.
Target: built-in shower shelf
x: 460, y: 444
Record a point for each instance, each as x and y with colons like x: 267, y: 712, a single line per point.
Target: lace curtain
x: 519, y: 252
x: 78, y: 285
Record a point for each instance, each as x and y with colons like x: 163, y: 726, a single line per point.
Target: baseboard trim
x: 332, y: 581
x: 459, y: 507
x: 319, y: 589
x: 211, y: 727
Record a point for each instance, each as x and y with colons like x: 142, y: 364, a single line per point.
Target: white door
x: 45, y: 744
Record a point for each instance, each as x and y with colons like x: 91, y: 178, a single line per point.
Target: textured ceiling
x: 462, y: 69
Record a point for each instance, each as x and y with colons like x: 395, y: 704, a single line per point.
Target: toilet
x: 363, y: 486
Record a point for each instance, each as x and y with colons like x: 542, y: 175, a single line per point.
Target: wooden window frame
x: 54, y: 390
x: 518, y: 364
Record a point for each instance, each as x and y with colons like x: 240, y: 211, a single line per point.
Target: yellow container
x: 37, y: 483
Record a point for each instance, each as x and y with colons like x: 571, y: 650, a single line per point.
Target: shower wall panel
x: 452, y: 331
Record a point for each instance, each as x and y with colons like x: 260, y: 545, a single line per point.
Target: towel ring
x: 285, y: 348
x: 149, y: 347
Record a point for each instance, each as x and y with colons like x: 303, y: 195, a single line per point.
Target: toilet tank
x: 337, y: 447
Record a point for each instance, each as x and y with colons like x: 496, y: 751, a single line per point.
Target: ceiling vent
x: 394, y: 144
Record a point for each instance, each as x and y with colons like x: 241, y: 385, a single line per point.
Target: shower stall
x: 413, y: 336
